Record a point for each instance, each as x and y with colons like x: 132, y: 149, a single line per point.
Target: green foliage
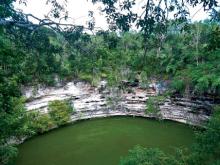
x: 206, y: 150
x: 154, y: 16
x: 187, y: 59
x: 86, y: 77
x: 39, y: 123
x: 147, y: 156
x: 214, y: 38
x: 152, y: 104
x: 12, y: 127
x: 60, y: 112
x: 12, y: 112
x: 7, y: 154
x: 178, y: 85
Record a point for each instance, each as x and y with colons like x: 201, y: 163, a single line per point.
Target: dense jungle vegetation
x: 187, y: 58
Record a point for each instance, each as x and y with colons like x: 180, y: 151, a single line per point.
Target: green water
x: 102, y: 141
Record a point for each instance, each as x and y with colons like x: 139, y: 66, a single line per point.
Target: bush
x: 7, y: 154
x: 59, y: 114
x: 144, y: 156
x: 152, y: 104
x: 60, y: 111
x: 40, y: 123
x: 85, y: 77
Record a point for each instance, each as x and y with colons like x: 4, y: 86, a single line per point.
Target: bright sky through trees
x: 78, y: 10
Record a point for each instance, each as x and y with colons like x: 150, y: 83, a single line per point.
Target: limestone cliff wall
x: 91, y: 102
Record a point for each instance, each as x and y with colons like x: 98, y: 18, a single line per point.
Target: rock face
x: 91, y: 102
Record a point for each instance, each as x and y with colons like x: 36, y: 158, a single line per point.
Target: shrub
x: 144, y: 156
x: 40, y: 123
x: 60, y: 111
x: 152, y: 104
x: 85, y: 77
x: 7, y: 154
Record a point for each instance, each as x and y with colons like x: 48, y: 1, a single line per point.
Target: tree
x: 121, y: 15
x: 154, y: 15
x: 12, y: 127
x: 10, y: 17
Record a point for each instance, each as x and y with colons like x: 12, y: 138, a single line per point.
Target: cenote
x: 102, y: 141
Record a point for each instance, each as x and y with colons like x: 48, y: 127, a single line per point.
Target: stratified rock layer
x: 91, y: 102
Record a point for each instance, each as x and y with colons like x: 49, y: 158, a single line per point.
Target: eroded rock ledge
x: 91, y: 102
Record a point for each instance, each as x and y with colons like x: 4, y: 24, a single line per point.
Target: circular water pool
x: 102, y: 141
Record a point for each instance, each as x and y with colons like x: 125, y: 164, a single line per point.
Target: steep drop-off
x: 91, y: 102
